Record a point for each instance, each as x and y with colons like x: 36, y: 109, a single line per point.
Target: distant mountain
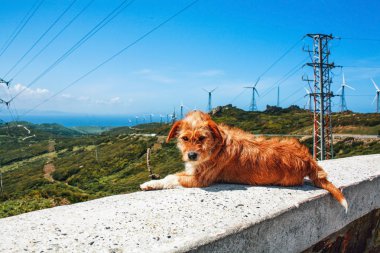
x: 24, y: 129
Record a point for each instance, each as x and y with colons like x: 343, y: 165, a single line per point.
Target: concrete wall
x: 221, y: 218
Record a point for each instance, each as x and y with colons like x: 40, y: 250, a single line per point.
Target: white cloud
x: 154, y: 76
x: 115, y: 100
x: 111, y: 101
x: 83, y: 98
x: 66, y: 95
x: 143, y: 72
x: 211, y: 73
x: 16, y: 89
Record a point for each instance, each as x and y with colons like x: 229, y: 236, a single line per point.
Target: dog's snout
x: 192, y: 156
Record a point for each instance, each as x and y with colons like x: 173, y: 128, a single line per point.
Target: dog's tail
x: 319, y: 178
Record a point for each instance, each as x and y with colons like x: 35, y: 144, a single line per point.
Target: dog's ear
x: 214, y: 129
x: 174, y: 130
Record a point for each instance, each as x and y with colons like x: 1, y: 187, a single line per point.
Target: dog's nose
x: 192, y: 156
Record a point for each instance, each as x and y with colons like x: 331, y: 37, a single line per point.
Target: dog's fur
x: 230, y: 155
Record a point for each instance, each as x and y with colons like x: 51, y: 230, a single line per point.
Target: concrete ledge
x: 222, y: 218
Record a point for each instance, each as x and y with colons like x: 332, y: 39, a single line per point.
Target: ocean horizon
x: 83, y: 120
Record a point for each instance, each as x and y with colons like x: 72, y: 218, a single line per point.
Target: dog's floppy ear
x: 174, y: 130
x: 214, y: 129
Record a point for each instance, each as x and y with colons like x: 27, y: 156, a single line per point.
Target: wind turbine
x: 376, y: 96
x: 161, y: 116
x: 278, y: 96
x: 174, y: 117
x: 137, y: 120
x: 343, y: 105
x: 209, y: 98
x: 181, y: 107
x: 309, y: 94
x: 253, y: 106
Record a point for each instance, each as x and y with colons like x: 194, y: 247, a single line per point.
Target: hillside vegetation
x: 48, y: 165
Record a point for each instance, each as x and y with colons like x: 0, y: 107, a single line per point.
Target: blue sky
x: 224, y: 44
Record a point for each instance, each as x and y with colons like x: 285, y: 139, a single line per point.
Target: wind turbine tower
x: 309, y: 94
x: 376, y: 96
x: 253, y: 106
x: 174, y: 117
x: 343, y: 104
x: 278, y: 96
x: 181, y: 110
x: 209, y: 107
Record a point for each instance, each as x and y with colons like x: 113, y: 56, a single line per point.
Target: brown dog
x: 217, y: 153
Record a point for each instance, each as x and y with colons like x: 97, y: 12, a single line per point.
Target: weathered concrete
x: 222, y: 218
x: 361, y: 235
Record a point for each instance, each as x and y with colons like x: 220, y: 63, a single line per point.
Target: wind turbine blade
x: 344, y: 81
x: 307, y: 91
x: 213, y: 90
x: 374, y: 99
x: 258, y: 79
x: 377, y: 88
x: 349, y: 87
x: 205, y: 90
x: 257, y: 92
x: 339, y: 90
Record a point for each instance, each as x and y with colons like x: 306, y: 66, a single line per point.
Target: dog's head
x: 198, y: 136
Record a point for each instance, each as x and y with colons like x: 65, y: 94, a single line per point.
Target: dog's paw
x: 151, y: 185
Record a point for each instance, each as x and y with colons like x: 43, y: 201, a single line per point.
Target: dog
x: 221, y: 154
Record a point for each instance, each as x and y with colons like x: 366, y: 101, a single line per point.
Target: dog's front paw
x: 151, y: 185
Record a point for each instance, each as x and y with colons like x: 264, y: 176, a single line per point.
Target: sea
x: 83, y: 120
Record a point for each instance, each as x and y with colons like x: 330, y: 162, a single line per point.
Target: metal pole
x: 322, y: 98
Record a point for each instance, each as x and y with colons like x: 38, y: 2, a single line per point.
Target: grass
x: 114, y: 161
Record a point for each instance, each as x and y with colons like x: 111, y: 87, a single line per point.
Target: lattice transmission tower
x: 321, y: 92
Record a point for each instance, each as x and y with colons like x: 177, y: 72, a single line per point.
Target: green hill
x: 48, y: 165
x: 294, y: 120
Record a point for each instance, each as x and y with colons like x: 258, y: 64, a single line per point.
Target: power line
x: 292, y: 94
x: 363, y: 67
x: 365, y: 39
x: 280, y: 81
x: 114, y: 55
x: 21, y: 26
x: 285, y: 77
x: 296, y: 100
x: 359, y: 95
x: 53, y: 39
x: 40, y: 38
x: 281, y: 57
x: 238, y: 95
x: 92, y: 32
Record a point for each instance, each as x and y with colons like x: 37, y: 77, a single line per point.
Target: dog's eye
x: 185, y: 138
x: 201, y: 138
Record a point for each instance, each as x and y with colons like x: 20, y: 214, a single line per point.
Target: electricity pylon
x: 322, y: 128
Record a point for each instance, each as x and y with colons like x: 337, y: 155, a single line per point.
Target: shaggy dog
x: 217, y: 153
